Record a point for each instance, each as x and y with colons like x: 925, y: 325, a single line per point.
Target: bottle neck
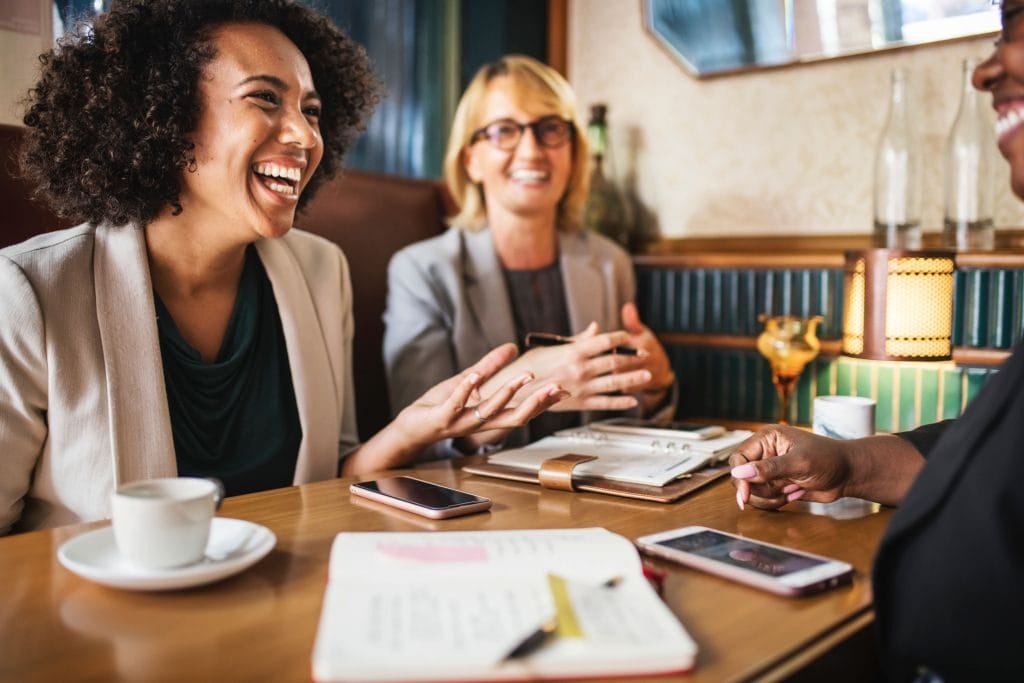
x: 970, y: 99
x: 597, y: 135
x: 898, y: 108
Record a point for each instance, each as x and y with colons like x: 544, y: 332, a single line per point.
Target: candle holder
x: 789, y: 343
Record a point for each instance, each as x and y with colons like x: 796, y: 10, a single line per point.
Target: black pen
x: 536, y: 638
x: 533, y: 640
x: 535, y: 339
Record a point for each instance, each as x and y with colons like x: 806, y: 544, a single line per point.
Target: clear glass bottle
x: 969, y: 166
x: 605, y: 211
x: 898, y: 173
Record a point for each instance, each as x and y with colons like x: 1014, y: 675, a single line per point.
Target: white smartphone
x: 679, y: 430
x: 421, y: 497
x: 761, y: 565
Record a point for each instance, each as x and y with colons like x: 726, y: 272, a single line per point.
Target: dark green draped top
x: 235, y: 418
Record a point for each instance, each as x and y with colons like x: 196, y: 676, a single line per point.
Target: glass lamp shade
x: 898, y: 304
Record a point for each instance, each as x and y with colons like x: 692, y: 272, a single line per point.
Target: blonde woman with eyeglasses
x: 516, y: 261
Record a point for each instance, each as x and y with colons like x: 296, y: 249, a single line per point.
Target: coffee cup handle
x: 218, y: 497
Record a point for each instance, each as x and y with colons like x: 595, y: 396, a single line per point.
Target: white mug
x: 164, y: 523
x: 844, y: 417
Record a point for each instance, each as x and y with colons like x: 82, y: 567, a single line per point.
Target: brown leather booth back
x: 371, y: 216
x: 22, y: 217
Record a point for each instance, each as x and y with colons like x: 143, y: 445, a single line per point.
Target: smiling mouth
x: 529, y: 175
x: 280, y: 179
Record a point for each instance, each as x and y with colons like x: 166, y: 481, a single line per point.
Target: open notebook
x: 449, y: 606
x: 628, y: 458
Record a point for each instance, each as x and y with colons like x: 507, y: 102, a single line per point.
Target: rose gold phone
x: 421, y: 497
x: 755, y: 563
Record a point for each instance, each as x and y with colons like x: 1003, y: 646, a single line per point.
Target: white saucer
x: 234, y: 545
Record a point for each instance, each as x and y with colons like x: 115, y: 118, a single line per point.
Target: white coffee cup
x: 844, y: 417
x: 164, y: 523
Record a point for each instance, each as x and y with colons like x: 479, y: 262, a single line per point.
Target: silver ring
x: 476, y: 413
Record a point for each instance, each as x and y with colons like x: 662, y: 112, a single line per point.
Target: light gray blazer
x: 83, y: 407
x: 448, y: 304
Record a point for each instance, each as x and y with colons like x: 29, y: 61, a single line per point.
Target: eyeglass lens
x: 550, y: 131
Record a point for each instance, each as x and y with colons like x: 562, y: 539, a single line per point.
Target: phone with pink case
x: 421, y: 497
x: 762, y: 565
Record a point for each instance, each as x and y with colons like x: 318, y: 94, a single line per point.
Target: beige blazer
x: 83, y: 407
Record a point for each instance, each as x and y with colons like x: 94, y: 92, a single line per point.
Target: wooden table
x: 260, y: 625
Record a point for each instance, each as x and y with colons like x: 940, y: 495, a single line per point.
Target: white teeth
x: 280, y: 187
x: 1009, y: 121
x: 278, y: 171
x: 529, y: 174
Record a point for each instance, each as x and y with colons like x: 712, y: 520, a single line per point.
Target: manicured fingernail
x: 473, y: 377
x: 796, y: 495
x: 744, y: 471
x: 647, y: 375
x: 739, y: 499
x: 525, y: 378
x: 791, y: 488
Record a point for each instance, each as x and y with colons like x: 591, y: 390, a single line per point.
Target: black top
x: 925, y: 437
x: 235, y: 418
x: 948, y: 575
x: 538, y: 305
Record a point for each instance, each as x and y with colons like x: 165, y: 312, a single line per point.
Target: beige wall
x: 18, y: 67
x: 786, y: 151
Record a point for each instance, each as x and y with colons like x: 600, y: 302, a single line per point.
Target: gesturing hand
x: 449, y: 409
x: 653, y: 359
x: 587, y: 369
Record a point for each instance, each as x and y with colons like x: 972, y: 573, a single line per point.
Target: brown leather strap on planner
x: 556, y: 473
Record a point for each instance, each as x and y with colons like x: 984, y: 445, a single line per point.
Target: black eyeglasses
x: 548, y: 131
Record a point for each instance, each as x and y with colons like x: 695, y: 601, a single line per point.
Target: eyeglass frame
x: 481, y: 133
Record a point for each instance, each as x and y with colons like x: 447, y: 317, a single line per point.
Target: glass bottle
x: 605, y: 211
x: 898, y: 174
x: 970, y: 161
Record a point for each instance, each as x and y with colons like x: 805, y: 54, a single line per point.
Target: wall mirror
x: 715, y: 37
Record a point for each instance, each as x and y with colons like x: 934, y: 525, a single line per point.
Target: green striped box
x: 736, y: 384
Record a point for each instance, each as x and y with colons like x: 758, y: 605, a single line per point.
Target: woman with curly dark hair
x: 184, y: 328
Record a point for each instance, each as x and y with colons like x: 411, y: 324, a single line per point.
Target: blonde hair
x: 531, y: 82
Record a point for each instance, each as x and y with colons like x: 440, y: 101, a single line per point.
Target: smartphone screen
x: 425, y: 494
x: 762, y: 565
x: 738, y: 552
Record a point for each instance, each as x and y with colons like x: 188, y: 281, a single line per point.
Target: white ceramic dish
x: 234, y: 545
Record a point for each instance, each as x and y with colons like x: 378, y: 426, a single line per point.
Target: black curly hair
x: 108, y: 122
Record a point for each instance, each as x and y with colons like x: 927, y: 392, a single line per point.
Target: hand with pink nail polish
x: 779, y: 465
